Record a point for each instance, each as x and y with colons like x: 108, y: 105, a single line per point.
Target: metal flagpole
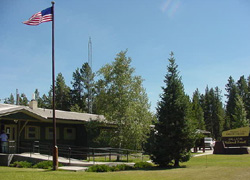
x: 55, y: 149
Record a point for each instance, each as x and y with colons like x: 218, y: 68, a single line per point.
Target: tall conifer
x: 174, y: 135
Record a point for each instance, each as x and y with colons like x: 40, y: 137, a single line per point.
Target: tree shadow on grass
x: 158, y: 168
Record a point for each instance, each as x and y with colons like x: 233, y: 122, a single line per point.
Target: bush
x: 186, y: 157
x: 106, y: 168
x: 142, y: 165
x: 99, y: 168
x: 121, y: 167
x: 21, y: 164
x: 45, y: 165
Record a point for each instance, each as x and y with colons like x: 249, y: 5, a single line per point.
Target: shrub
x: 142, y: 165
x: 186, y: 157
x: 45, y: 165
x: 21, y: 164
x: 99, y: 168
x: 106, y: 168
x: 121, y: 167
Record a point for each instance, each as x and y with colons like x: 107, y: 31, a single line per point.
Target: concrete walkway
x: 73, y: 168
x: 208, y: 152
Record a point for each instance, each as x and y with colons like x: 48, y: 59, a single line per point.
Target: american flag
x: 40, y: 17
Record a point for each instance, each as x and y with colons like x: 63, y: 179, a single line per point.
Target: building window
x: 49, y: 133
x: 69, y: 133
x: 32, y: 132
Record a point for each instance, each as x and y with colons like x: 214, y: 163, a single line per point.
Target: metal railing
x: 77, y: 152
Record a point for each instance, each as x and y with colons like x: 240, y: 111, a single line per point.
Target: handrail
x: 79, y: 152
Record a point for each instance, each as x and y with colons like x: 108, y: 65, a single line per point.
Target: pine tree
x: 174, y: 134
x: 10, y: 100
x: 240, y: 114
x: 232, y: 92
x: 89, y: 84
x: 77, y: 101
x: 62, y: 94
x: 197, y: 111
x: 243, y: 88
x: 83, y: 89
x: 217, y: 114
x: 206, y: 101
x: 39, y: 99
x: 23, y: 100
x: 46, y: 100
x: 247, y: 103
x: 213, y: 111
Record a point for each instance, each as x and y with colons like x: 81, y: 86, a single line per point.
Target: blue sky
x: 210, y: 40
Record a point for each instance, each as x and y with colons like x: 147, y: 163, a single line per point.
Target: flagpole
x: 55, y: 149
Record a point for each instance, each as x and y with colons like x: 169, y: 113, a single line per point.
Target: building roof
x: 46, y: 114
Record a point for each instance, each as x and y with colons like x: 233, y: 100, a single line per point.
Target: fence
x: 70, y: 151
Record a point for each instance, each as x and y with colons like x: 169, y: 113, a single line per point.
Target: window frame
x: 36, y: 132
x: 47, y: 137
x: 66, y: 134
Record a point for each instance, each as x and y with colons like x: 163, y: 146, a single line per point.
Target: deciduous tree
x: 124, y: 102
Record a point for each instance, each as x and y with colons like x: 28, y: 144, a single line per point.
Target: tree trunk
x: 176, y: 163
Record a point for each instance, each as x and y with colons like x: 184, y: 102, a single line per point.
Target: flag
x: 40, y: 17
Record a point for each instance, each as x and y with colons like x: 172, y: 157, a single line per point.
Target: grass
x: 222, y: 167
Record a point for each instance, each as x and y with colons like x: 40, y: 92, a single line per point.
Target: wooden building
x: 27, y: 124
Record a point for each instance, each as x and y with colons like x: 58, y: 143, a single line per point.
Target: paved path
x: 208, y: 152
x: 73, y: 168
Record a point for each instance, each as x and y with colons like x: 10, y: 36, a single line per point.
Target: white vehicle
x: 209, y: 143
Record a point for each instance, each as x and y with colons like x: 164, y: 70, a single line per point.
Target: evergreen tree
x: 23, y: 100
x: 46, y: 101
x: 217, y: 114
x: 232, y: 92
x: 197, y: 111
x: 122, y: 99
x: 89, y: 84
x: 10, y: 100
x: 242, y: 88
x: 206, y: 101
x: 83, y: 88
x: 174, y: 134
x: 39, y: 99
x: 77, y: 92
x: 213, y: 111
x: 240, y: 114
x: 247, y: 103
x: 62, y: 94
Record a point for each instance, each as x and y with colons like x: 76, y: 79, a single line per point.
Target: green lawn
x: 219, y: 167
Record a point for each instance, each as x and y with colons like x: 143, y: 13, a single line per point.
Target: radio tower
x: 90, y: 73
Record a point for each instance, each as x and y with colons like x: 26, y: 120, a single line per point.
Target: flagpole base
x: 55, y: 158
